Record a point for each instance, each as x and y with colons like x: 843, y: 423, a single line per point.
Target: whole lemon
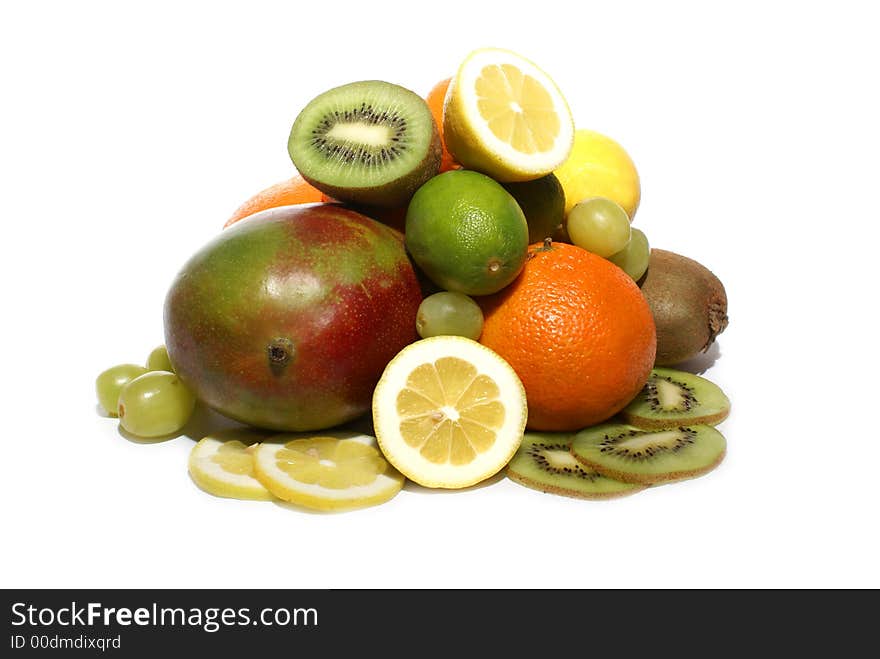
x: 599, y: 167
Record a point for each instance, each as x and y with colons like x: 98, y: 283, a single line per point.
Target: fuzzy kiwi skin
x: 689, y: 305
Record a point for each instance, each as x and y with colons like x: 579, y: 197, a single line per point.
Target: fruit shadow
x: 286, y: 505
x: 204, y: 421
x: 410, y: 486
x: 134, y: 439
x: 702, y: 362
x: 281, y: 504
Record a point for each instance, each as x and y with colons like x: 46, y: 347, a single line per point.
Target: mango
x: 287, y: 319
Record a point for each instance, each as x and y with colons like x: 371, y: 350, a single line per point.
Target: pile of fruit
x: 459, y: 270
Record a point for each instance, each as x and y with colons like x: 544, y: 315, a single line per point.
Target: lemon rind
x: 407, y: 459
x: 215, y: 480
x: 491, y: 153
x: 316, y: 497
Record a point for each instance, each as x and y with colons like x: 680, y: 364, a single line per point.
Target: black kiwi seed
x: 649, y: 457
x: 671, y: 398
x: 335, y: 145
x: 537, y: 453
x: 544, y: 462
x: 686, y: 394
x: 612, y: 445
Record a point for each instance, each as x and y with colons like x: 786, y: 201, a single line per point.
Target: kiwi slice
x: 673, y: 398
x: 544, y: 462
x: 369, y: 142
x: 633, y: 455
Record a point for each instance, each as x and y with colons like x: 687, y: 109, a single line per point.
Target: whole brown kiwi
x: 689, y: 304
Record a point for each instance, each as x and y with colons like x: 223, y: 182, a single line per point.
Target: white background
x: 129, y: 135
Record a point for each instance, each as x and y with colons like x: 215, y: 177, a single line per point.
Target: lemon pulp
x: 505, y: 117
x: 517, y: 108
x: 233, y: 457
x: 222, y: 464
x: 334, y: 470
x: 330, y: 463
x: 449, y: 412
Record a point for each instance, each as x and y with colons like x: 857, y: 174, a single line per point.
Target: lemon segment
x: 517, y: 108
x: 506, y: 117
x: 448, y: 412
x: 222, y: 464
x: 333, y: 470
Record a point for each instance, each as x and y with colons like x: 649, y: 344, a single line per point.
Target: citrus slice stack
x: 333, y: 470
x: 448, y: 412
x: 222, y: 464
x: 505, y: 117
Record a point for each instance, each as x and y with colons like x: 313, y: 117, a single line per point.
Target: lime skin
x: 467, y: 233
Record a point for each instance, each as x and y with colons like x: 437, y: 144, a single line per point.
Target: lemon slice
x: 222, y: 464
x: 449, y: 412
x: 328, y: 471
x: 505, y: 117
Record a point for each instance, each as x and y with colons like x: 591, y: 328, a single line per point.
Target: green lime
x: 543, y: 203
x: 467, y: 233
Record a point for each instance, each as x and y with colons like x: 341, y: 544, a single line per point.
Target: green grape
x: 158, y: 360
x: 599, y: 226
x: 633, y: 258
x: 155, y: 404
x: 448, y: 313
x: 109, y: 383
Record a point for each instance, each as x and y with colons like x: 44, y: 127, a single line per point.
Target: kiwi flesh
x: 544, y: 462
x: 632, y: 455
x: 370, y: 142
x: 689, y: 305
x: 672, y: 398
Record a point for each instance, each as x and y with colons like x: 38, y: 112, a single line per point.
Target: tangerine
x: 577, y: 331
x: 435, y: 99
x: 294, y: 190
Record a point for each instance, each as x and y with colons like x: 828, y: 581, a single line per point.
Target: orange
x: 435, y: 100
x: 286, y: 193
x: 577, y: 331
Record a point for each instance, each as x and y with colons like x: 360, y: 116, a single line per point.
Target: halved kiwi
x: 672, y: 398
x: 633, y: 455
x: 544, y: 462
x: 369, y: 142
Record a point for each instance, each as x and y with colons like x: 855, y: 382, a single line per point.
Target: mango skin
x: 286, y: 320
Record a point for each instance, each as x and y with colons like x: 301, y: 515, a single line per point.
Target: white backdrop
x: 129, y: 135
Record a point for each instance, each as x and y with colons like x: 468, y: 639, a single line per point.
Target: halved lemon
x: 331, y: 470
x: 449, y: 412
x: 505, y: 117
x: 222, y: 464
